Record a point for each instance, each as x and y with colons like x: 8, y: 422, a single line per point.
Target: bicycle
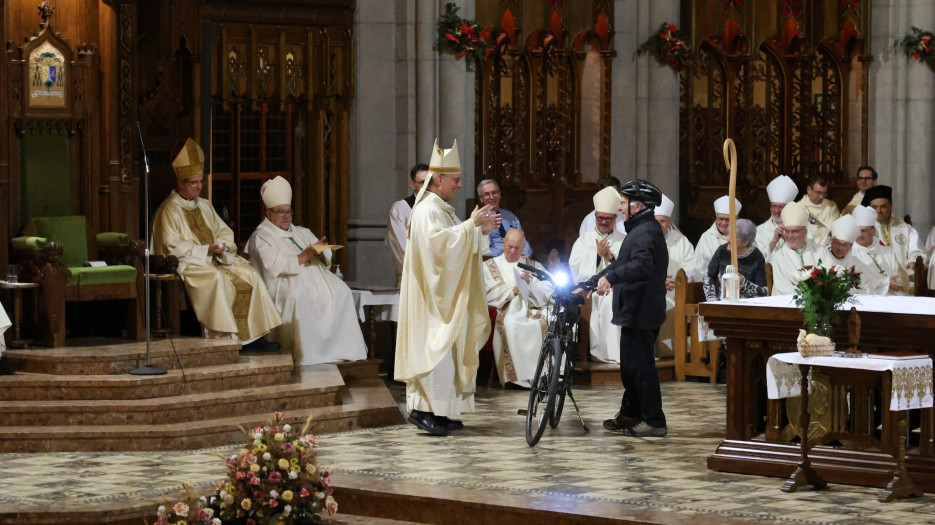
x: 554, y: 375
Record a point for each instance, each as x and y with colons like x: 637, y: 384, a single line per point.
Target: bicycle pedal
x: 521, y: 412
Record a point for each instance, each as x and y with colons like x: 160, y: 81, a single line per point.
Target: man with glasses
x: 884, y: 277
x: 227, y: 294
x: 866, y: 179
x: 781, y: 191
x: 822, y: 211
x: 892, y: 232
x: 319, y: 321
x: 488, y: 193
x: 716, y: 235
x: 797, y: 252
x: 399, y: 218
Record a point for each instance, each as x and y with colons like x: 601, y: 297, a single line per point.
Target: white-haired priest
x: 443, y: 320
x: 519, y: 297
x: 227, y: 294
x: 319, y: 322
x: 797, y: 252
x: 716, y: 234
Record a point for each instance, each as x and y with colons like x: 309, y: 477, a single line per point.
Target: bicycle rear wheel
x: 564, y: 385
x: 543, y: 388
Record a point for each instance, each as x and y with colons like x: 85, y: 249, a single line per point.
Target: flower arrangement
x: 462, y: 37
x: 274, y: 479
x: 668, y: 47
x: 819, y: 291
x: 917, y: 45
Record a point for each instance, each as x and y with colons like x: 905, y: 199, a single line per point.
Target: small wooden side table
x: 17, y: 289
x: 160, y: 327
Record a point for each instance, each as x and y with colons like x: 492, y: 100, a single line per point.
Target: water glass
x: 12, y: 275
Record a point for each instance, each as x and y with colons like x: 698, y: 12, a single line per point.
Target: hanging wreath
x: 917, y: 45
x: 668, y: 47
x: 462, y: 37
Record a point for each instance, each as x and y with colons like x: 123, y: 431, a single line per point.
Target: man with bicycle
x: 637, y: 278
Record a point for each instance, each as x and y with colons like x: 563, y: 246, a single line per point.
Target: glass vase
x: 822, y: 326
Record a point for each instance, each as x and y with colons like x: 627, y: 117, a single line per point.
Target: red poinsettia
x: 668, y: 47
x: 462, y: 37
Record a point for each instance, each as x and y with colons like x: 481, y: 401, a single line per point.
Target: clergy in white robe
x: 4, y: 324
x: 395, y: 237
x: 590, y: 255
x: 866, y: 179
x: 716, y: 235
x: 883, y: 278
x: 797, y: 252
x: 227, y: 294
x: 319, y: 321
x: 838, y: 253
x: 822, y: 211
x: 443, y: 320
x: 589, y: 222
x: 781, y: 191
x: 901, y: 237
x: 681, y: 257
x: 521, y: 321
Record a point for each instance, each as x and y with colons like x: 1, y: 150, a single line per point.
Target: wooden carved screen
x: 543, y: 113
x: 781, y: 98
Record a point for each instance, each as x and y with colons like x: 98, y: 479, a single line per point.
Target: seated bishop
x: 227, y: 294
x: 839, y: 253
x: 521, y: 318
x: 797, y: 252
x: 716, y: 234
x: 781, y: 191
x: 319, y: 321
x: 902, y: 238
x: 591, y: 253
x: 884, y: 278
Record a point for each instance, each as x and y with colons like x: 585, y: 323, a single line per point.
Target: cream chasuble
x: 883, y: 266
x: 4, y: 324
x: 869, y: 280
x: 226, y: 292
x: 825, y: 213
x: 443, y: 320
x: 855, y: 202
x: 319, y: 322
x: 584, y: 262
x: 786, y: 261
x: 681, y: 256
x: 708, y: 243
x: 520, y: 324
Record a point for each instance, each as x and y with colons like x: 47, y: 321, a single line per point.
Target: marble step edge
x: 128, y: 350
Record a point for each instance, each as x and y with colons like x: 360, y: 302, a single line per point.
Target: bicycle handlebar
x: 562, y: 293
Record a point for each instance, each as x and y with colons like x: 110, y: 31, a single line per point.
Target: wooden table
x: 759, y: 328
x: 17, y: 289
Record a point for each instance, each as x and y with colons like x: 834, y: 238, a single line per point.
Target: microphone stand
x: 147, y: 369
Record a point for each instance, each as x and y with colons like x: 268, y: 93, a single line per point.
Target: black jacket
x: 638, y: 274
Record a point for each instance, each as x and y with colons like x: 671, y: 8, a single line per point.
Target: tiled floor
x: 491, y: 456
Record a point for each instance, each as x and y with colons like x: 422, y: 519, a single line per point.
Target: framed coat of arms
x: 47, y: 73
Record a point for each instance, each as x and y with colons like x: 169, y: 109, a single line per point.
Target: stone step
x: 365, y: 402
x: 316, y: 387
x: 249, y: 371
x: 591, y: 373
x: 168, y: 354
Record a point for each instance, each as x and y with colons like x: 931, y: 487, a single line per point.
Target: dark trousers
x: 642, y: 397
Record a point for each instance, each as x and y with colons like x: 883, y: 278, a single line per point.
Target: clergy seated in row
x: 866, y: 179
x: 752, y: 265
x: 319, y: 322
x: 781, y: 191
x: 681, y: 256
x: 797, y: 252
x: 227, y: 294
x: 839, y: 253
x: 588, y: 223
x: 520, y: 299
x: 892, y: 232
x: 822, y: 211
x: 590, y: 255
x: 885, y: 276
x: 716, y: 235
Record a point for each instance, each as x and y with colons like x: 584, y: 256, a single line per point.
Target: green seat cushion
x: 112, y: 239
x: 69, y: 232
x: 86, y: 276
x: 29, y: 243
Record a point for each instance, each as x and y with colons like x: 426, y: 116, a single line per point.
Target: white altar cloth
x: 894, y: 304
x: 383, y: 300
x: 912, y: 378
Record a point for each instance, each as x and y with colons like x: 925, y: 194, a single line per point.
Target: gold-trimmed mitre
x: 190, y: 161
x: 445, y: 161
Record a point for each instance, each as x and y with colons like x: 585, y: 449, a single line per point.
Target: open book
x: 322, y: 247
x: 898, y: 354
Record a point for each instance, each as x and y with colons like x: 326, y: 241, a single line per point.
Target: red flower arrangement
x: 917, y: 45
x: 668, y: 47
x: 462, y: 37
x: 819, y: 291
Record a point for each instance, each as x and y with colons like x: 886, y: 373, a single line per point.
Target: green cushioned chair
x: 53, y: 253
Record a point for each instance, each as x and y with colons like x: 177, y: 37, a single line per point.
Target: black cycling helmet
x: 642, y: 191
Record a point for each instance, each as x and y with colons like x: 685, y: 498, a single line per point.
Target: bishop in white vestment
x: 884, y: 278
x: 781, y: 191
x: 227, y: 294
x: 796, y: 253
x: 901, y: 237
x: 443, y: 320
x: 590, y: 254
x: 521, y: 321
x: 681, y: 257
x: 716, y: 235
x: 839, y: 253
x: 319, y: 321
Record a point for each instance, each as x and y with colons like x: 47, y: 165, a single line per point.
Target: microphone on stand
x: 147, y: 369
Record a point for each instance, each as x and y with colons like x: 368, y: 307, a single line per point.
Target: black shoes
x: 428, y: 422
x: 620, y: 423
x: 450, y: 424
x: 262, y: 345
x: 645, y: 430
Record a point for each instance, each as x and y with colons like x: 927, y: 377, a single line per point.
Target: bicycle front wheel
x: 543, y: 388
x: 564, y: 385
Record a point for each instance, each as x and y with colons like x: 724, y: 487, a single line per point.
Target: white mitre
x: 607, y: 200
x: 666, y: 208
x: 845, y: 229
x: 865, y: 215
x: 782, y: 189
x: 794, y: 214
x: 722, y: 205
x: 276, y: 192
x: 445, y: 161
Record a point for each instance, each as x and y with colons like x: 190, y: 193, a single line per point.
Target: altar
x: 755, y: 330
